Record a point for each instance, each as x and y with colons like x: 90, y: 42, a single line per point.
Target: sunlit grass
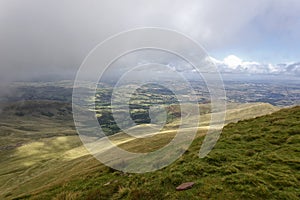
x: 52, y: 163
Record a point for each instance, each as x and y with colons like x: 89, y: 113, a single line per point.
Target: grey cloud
x: 52, y: 37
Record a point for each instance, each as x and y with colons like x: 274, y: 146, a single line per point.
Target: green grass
x: 254, y: 159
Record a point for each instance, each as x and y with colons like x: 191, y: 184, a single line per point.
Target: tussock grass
x: 256, y: 158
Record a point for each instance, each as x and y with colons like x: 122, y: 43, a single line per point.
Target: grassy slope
x: 57, y: 165
x: 31, y: 142
x: 254, y: 159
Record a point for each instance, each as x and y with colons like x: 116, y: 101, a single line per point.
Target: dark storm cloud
x: 50, y: 38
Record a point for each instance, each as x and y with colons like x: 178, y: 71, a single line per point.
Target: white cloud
x: 234, y: 64
x: 232, y: 61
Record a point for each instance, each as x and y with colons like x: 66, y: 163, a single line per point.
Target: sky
x: 41, y: 38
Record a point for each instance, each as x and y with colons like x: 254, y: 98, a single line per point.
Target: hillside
x: 254, y: 159
x: 52, y: 163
